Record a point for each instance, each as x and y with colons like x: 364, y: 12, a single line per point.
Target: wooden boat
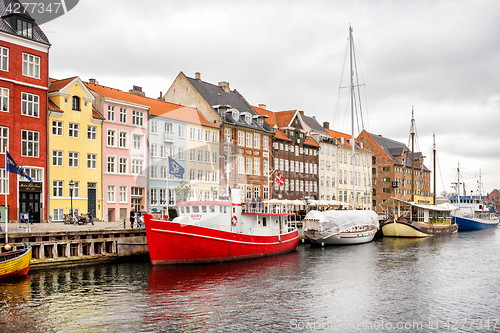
x: 340, y: 227
x: 216, y: 231
x: 408, y: 219
x: 15, y: 263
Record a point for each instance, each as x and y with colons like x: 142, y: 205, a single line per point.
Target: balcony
x: 169, y: 136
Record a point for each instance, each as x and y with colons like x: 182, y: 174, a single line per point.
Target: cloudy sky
x: 440, y: 58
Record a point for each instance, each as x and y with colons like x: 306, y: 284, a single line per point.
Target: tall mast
x: 412, y: 132
x: 434, y: 163
x: 353, y: 176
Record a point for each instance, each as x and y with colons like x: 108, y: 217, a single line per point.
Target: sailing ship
x: 15, y: 263
x: 472, y: 213
x: 216, y: 231
x: 410, y: 219
x: 342, y: 227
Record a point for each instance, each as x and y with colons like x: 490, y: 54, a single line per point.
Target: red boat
x: 215, y: 231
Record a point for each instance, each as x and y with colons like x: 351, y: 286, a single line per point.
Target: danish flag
x: 280, y: 179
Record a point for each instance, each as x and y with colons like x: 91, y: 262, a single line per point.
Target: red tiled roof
x: 156, y: 107
x: 310, y: 141
x: 280, y: 135
x: 56, y: 85
x: 53, y: 106
x: 347, y: 137
x: 96, y: 114
x: 283, y: 118
x: 263, y: 112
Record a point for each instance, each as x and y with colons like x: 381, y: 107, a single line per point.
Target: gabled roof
x: 156, y: 107
x: 310, y: 141
x: 5, y: 5
x: 53, y: 106
x: 394, y: 148
x: 284, y: 118
x: 271, y: 120
x: 347, y: 138
x: 314, y: 125
x: 62, y: 85
x: 279, y: 135
x: 56, y: 85
x: 216, y: 96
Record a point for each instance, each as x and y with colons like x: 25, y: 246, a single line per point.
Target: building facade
x: 75, y: 144
x: 24, y: 82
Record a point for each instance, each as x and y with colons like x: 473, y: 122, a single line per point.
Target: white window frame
x: 73, y: 158
x: 122, y: 139
x: 58, y: 157
x: 91, y: 132
x: 31, y: 65
x: 91, y: 161
x: 137, y: 118
x: 30, y: 105
x: 57, y: 188
x: 123, y: 194
x: 122, y: 165
x: 123, y: 115
x: 111, y: 113
x: 4, y: 99
x: 4, y: 139
x: 30, y: 139
x: 137, y: 166
x: 73, y: 130
x: 111, y: 194
x: 4, y: 59
x: 111, y: 164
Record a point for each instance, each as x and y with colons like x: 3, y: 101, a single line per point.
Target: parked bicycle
x: 85, y: 218
x: 70, y: 219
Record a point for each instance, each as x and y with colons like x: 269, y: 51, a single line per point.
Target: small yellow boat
x: 15, y: 263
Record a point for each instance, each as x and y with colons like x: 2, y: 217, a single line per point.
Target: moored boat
x: 215, y: 231
x: 340, y: 227
x: 15, y: 263
x: 408, y: 219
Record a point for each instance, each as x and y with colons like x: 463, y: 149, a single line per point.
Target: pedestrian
x: 132, y: 217
x: 30, y: 216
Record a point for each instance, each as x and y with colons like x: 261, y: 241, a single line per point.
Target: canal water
x: 439, y: 284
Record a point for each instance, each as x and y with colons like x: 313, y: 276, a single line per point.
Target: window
x: 76, y: 190
x: 73, y: 159
x: 192, y: 155
x: 91, y: 132
x: 111, y: 113
x: 154, y: 150
x: 200, y: 134
x: 256, y: 141
x: 137, y: 117
x: 207, y: 157
x: 25, y: 28
x: 4, y: 139
x: 123, y: 115
x: 265, y: 167
x: 154, y: 127
x: 249, y: 192
x: 57, y: 188
x: 31, y: 65
x: 249, y: 166
x: 256, y: 166
x: 111, y: 193
x: 136, y: 167
x: 57, y: 214
x: 163, y: 172
x: 207, y: 136
x: 249, y: 140
x: 137, y: 141
x: 248, y: 118
x: 192, y: 133
x: 75, y: 104
x: 57, y: 158
x: 91, y: 161
x: 122, y: 140
x: 207, y: 176
x: 182, y: 132
x: 111, y: 138
x: 241, y: 138
x: 153, y: 171
x: 154, y: 196
x: 214, y: 137
x: 29, y: 105
x: 122, y: 165
x: 214, y: 158
x: 266, y: 143
x: 227, y: 135
x: 200, y: 175
x: 200, y: 156
x: 111, y: 164
x: 241, y: 165
x: 163, y: 151
x: 73, y: 130
x: 30, y: 142
x: 123, y: 194
x: 191, y: 174
x: 4, y: 58
x: 181, y: 154
x: 4, y: 99
x: 236, y: 115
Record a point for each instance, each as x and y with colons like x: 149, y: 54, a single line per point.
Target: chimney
x: 161, y: 98
x: 93, y: 81
x: 301, y: 113
x: 225, y: 86
x: 136, y: 90
x: 197, y: 76
x: 262, y: 106
x: 326, y: 125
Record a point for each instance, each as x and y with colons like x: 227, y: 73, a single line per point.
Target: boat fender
x: 234, y: 220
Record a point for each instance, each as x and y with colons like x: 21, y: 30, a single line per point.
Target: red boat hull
x: 176, y: 243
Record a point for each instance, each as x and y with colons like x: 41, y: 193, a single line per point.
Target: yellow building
x: 74, y: 161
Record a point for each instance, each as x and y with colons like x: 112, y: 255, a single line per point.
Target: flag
x: 175, y: 168
x: 280, y: 179
x: 14, y: 168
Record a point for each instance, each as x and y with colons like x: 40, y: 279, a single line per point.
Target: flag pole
x: 5, y: 189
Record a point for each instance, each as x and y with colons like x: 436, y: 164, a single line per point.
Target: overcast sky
x: 441, y: 57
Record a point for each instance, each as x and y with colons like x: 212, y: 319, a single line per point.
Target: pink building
x: 124, y: 150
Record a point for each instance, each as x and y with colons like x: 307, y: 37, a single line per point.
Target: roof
x: 156, y: 107
x: 38, y: 34
x: 284, y: 118
x: 280, y: 135
x: 313, y: 124
x: 310, y: 141
x: 271, y: 120
x: 56, y: 85
x: 216, y: 97
x: 394, y: 148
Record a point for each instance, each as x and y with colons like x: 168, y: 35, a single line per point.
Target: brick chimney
x: 326, y: 125
x: 225, y: 86
x: 197, y: 76
x: 161, y: 98
x: 93, y: 81
x: 136, y: 90
x: 263, y: 106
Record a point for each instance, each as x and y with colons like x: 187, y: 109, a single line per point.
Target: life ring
x: 234, y: 220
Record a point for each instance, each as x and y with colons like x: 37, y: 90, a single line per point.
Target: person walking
x: 132, y: 217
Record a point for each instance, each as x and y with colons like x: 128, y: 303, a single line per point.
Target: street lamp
x: 71, y: 187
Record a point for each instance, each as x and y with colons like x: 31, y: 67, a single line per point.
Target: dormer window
x: 24, y: 28
x: 75, y: 103
x: 260, y: 121
x: 248, y: 118
x: 236, y: 115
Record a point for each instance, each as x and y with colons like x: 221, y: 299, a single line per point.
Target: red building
x: 494, y: 197
x: 24, y: 50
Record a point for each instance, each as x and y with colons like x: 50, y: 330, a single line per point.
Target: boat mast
x: 412, y: 132
x: 458, y: 185
x: 353, y: 176
x: 434, y: 163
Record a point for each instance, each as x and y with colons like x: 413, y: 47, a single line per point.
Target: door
x: 91, y: 201
x: 30, y: 200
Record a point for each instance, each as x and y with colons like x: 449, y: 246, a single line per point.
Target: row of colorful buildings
x: 99, y: 150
